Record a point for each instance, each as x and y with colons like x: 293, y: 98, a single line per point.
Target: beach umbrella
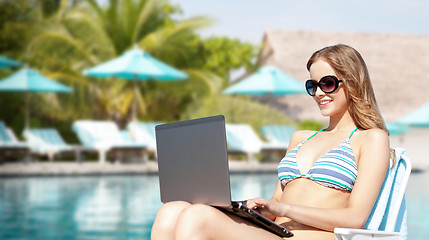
x: 29, y: 80
x: 417, y: 118
x: 135, y: 65
x: 397, y: 129
x: 7, y: 63
x: 267, y: 81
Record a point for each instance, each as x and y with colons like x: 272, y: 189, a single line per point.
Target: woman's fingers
x: 267, y: 207
x: 256, y: 203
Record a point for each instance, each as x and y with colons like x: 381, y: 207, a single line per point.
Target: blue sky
x: 247, y: 20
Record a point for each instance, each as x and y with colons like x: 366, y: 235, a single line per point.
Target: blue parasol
x: 417, y: 118
x: 29, y: 80
x: 268, y: 80
x: 397, y: 129
x: 6, y: 63
x: 135, y: 65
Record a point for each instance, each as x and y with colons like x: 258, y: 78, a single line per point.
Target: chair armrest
x: 362, y: 234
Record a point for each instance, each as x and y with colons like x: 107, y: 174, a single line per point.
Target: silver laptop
x: 193, y: 167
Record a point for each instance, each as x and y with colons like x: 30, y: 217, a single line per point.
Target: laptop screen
x: 193, y: 161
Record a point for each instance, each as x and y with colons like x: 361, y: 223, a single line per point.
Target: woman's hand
x: 268, y: 207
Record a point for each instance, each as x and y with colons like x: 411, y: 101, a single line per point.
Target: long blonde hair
x: 350, y: 67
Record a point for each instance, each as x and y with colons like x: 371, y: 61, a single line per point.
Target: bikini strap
x: 325, y: 129
x: 315, y: 134
x: 353, y: 132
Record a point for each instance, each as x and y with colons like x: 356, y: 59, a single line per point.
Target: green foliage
x: 220, y: 55
x: 170, y: 99
x: 62, y: 38
x: 16, y: 19
x: 77, y: 38
x: 310, y: 125
x: 237, y: 109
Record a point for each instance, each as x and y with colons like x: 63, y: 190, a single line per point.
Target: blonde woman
x: 328, y: 179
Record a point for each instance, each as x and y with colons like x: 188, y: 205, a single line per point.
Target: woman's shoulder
x: 372, y: 137
x: 369, y: 143
x: 300, y: 135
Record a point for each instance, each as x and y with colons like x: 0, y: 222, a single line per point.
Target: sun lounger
x: 126, y: 137
x: 144, y: 133
x: 241, y: 138
x: 277, y: 136
x: 105, y: 137
x: 277, y: 141
x: 48, y: 141
x: 10, y: 147
x: 388, y: 219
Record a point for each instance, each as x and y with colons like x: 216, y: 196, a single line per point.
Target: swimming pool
x: 123, y: 207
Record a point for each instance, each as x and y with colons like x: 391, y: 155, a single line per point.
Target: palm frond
x: 94, y: 5
x: 94, y: 30
x: 145, y: 12
x: 70, y: 78
x: 207, y: 80
x: 63, y: 37
x: 173, y: 34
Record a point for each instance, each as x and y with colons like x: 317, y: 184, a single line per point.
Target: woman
x: 328, y: 179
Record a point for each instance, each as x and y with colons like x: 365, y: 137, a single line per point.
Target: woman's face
x: 330, y: 104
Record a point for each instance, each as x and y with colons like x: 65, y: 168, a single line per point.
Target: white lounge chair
x: 48, y: 141
x: 277, y: 141
x: 105, y: 137
x: 388, y: 219
x: 241, y: 138
x: 277, y: 136
x: 126, y: 137
x: 10, y: 147
x: 144, y: 133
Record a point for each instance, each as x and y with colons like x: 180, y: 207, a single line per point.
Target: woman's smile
x: 324, y: 102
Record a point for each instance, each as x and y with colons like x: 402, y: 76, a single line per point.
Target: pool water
x: 123, y: 207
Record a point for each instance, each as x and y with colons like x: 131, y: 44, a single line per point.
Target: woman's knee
x: 196, y: 221
x: 166, y: 217
x: 170, y: 212
x: 172, y: 208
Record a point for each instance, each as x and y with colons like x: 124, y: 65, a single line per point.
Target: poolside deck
x: 94, y: 168
x: 17, y: 169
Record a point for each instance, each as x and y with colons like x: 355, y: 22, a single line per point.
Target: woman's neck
x: 341, y: 123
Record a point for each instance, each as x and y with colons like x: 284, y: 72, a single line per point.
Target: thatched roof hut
x: 397, y: 64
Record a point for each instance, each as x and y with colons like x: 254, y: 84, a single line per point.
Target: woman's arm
x: 276, y: 197
x: 372, y: 167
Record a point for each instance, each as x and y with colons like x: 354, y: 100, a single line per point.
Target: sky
x: 248, y: 19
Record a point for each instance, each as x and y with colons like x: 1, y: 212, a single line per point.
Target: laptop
x: 193, y: 167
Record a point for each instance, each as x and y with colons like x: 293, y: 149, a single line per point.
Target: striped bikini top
x: 336, y: 169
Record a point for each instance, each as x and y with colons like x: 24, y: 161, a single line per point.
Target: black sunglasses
x: 328, y: 84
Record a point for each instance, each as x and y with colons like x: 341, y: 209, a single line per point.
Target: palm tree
x: 81, y: 36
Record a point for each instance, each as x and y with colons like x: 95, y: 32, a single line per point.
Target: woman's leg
x: 166, y: 218
x: 181, y: 220
x: 204, y: 222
